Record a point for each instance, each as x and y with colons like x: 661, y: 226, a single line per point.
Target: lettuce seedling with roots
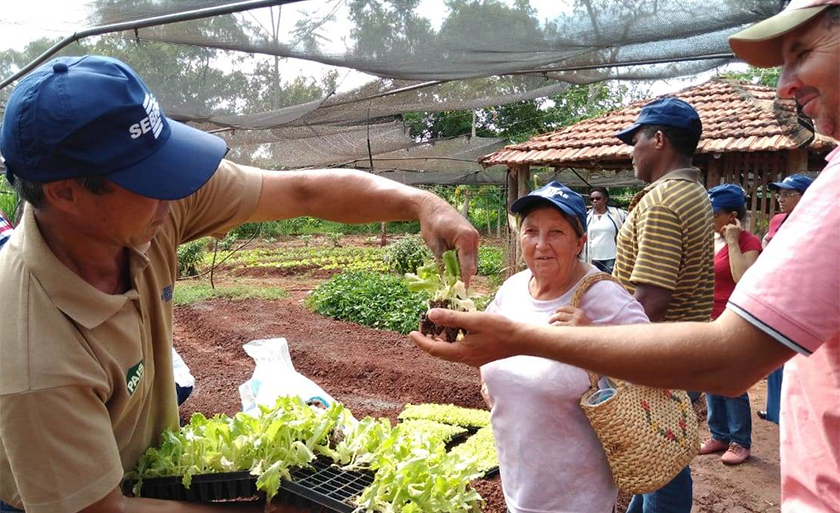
x: 446, y: 289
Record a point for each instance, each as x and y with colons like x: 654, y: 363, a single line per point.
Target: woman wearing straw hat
x: 549, y: 456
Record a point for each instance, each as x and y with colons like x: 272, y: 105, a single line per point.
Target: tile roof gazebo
x: 750, y: 137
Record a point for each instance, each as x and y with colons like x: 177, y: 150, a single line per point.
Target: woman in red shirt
x: 735, y: 251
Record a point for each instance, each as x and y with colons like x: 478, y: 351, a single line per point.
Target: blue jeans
x: 774, y: 394
x: 183, y: 393
x: 730, y: 419
x: 674, y: 497
x: 5, y: 508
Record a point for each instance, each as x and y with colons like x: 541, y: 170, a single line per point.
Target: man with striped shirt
x: 665, y: 250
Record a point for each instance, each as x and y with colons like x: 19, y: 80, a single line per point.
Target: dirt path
x: 376, y: 372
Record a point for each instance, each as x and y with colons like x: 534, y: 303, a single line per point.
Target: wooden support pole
x: 517, y: 182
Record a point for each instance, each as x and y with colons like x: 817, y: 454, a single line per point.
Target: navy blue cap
x: 93, y: 116
x: 796, y: 182
x: 557, y: 195
x: 668, y: 111
x: 727, y: 197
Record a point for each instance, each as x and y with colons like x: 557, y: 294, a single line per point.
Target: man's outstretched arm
x: 689, y: 356
x: 350, y: 196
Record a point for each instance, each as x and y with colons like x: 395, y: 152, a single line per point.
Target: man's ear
x: 62, y: 195
x: 661, y: 140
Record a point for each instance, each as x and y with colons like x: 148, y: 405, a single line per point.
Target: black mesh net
x: 326, y: 82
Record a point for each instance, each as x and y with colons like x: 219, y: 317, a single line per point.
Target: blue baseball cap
x: 796, y: 182
x: 93, y: 116
x: 727, y: 197
x: 555, y: 194
x: 668, y: 111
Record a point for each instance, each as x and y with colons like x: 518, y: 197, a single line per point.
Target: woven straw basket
x: 649, y: 434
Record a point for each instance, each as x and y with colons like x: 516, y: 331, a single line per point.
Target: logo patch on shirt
x: 166, y: 294
x: 133, y: 377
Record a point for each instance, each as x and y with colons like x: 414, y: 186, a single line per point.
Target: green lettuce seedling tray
x: 319, y: 487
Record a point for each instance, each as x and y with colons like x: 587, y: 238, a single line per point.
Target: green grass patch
x: 192, y: 292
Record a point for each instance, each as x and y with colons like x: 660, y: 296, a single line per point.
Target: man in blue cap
x: 113, y: 187
x: 784, y: 309
x: 664, y: 251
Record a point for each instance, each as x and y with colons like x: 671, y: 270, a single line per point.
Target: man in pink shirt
x: 785, y: 308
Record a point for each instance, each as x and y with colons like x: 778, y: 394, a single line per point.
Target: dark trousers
x: 674, y: 497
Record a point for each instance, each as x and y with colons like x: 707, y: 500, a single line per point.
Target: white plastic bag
x: 183, y: 376
x: 275, y: 376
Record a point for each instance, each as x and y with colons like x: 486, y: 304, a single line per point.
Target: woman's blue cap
x: 670, y: 111
x: 798, y: 182
x: 88, y: 116
x: 557, y: 195
x: 727, y: 197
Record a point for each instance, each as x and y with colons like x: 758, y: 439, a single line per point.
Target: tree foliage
x: 519, y: 121
x: 763, y: 76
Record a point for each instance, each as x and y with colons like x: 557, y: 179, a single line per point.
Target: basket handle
x: 585, y: 284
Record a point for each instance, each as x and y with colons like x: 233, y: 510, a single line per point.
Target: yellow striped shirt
x: 667, y: 241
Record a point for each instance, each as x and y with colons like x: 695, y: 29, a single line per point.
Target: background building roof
x: 737, y: 117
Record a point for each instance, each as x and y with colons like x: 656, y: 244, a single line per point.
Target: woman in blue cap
x: 735, y: 251
x: 788, y: 193
x: 549, y: 456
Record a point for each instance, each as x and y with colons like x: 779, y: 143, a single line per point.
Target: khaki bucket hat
x: 761, y: 44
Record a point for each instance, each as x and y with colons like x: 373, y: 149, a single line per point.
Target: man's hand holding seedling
x: 443, y: 284
x: 444, y: 231
x: 488, y: 337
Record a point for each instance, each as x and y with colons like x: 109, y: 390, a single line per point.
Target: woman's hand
x: 731, y: 233
x: 569, y: 316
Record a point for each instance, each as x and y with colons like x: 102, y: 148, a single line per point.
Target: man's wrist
x: 424, y: 203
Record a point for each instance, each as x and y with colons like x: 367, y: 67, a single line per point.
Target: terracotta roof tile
x: 736, y: 117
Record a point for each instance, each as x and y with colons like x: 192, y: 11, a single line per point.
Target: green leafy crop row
x: 321, y: 257
x: 375, y: 300
x: 437, y: 432
x: 481, y: 448
x: 448, y: 414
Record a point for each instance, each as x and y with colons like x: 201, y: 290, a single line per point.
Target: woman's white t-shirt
x: 549, y: 457
x: 602, y: 230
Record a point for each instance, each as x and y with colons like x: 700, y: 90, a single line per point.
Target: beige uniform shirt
x: 86, y: 380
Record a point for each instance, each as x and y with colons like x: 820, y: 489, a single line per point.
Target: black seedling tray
x: 492, y: 472
x: 321, y: 486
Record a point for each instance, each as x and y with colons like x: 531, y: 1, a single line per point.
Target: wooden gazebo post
x: 517, y: 186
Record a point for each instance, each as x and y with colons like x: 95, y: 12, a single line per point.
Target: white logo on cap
x: 151, y: 123
x: 553, y: 190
